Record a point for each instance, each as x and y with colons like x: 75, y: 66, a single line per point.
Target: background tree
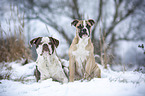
x: 110, y: 17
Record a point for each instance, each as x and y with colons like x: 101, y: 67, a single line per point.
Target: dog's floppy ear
x: 91, y: 21
x: 35, y: 41
x: 75, y: 22
x: 54, y: 41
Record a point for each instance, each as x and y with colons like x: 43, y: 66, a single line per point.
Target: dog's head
x: 45, y: 45
x: 83, y: 27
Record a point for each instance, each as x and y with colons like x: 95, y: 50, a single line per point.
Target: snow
x: 112, y: 83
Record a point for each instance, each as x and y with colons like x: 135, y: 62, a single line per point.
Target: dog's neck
x: 47, y: 58
x: 83, y: 41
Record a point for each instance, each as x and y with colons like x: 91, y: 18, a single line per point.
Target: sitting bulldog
x: 48, y: 65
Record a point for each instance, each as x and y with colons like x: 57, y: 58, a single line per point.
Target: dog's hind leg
x: 37, y: 74
x: 60, y: 76
x: 97, y: 71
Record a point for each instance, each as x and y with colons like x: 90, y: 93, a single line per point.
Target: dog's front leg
x: 71, y: 68
x: 44, y: 73
x: 90, y: 64
x: 88, y: 69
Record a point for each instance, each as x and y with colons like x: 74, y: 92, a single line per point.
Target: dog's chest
x: 81, y: 53
x: 48, y: 62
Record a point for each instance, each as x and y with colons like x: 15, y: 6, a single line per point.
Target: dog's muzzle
x: 83, y: 32
x: 45, y: 48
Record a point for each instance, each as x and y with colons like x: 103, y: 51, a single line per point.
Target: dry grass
x: 13, y: 48
x: 103, y: 52
x: 12, y: 41
x: 105, y: 57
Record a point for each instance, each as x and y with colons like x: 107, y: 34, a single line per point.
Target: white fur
x: 49, y: 65
x: 81, y: 53
x: 84, y: 23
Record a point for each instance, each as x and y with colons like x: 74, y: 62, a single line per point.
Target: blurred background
x: 118, y: 33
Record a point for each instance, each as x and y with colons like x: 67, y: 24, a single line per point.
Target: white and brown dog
x: 81, y: 53
x: 48, y: 65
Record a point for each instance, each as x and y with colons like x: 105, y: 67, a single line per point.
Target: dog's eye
x: 50, y: 43
x: 88, y: 26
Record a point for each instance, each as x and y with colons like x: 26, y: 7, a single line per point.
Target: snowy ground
x: 22, y: 83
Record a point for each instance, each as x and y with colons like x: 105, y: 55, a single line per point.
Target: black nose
x: 84, y: 30
x: 45, y: 47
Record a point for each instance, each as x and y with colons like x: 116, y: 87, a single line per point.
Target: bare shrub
x: 12, y: 39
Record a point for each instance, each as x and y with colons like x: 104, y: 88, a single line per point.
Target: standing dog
x: 81, y: 53
x: 48, y: 64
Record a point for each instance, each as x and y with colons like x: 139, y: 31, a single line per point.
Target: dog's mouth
x: 83, y: 35
x: 46, y: 50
